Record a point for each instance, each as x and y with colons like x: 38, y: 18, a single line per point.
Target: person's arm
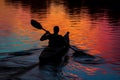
x: 45, y: 36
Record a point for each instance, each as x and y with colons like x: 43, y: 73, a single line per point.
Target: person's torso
x: 56, y: 41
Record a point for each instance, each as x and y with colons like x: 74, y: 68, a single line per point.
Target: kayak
x: 54, y: 57
x: 51, y: 62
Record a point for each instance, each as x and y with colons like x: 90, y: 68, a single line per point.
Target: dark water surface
x: 93, y: 26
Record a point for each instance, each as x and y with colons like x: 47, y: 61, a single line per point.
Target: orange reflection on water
x: 15, y: 21
x: 56, y: 16
x: 83, y: 33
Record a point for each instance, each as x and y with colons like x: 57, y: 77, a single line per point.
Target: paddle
x: 37, y: 25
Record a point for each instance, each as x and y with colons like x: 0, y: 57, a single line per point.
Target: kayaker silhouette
x: 56, y: 49
x: 55, y: 40
x: 54, y: 56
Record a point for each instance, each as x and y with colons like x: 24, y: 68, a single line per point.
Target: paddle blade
x: 36, y: 24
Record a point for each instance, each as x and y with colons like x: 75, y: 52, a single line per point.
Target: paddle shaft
x: 44, y: 29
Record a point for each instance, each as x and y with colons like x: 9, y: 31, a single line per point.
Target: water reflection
x: 93, y: 25
x: 90, y: 18
x: 96, y: 8
x: 37, y: 6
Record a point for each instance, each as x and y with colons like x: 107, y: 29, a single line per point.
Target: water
x: 93, y: 26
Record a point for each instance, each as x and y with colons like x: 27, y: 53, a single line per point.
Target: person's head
x: 56, y: 29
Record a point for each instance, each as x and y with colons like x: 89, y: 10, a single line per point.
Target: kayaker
x: 55, y: 40
x: 55, y: 53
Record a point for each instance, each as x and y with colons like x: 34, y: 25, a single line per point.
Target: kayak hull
x: 52, y: 56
